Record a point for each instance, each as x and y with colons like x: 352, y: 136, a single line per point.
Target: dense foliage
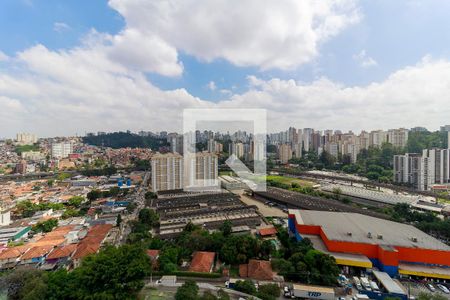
x: 266, y: 292
x: 190, y: 291
x: 299, y: 261
x: 113, y: 273
x: 45, y: 226
x: 105, y: 171
x: 125, y: 140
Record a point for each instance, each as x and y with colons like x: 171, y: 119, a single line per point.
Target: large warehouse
x: 362, y: 241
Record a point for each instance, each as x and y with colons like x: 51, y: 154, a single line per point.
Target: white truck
x: 313, y: 292
x: 374, y: 287
x: 357, y: 283
x: 365, y: 283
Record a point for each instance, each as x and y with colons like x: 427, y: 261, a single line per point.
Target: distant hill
x: 124, y: 139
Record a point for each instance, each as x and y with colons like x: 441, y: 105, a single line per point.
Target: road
x: 139, y: 200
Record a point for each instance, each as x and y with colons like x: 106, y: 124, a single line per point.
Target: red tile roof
x: 257, y: 269
x: 268, y: 231
x: 91, y: 243
x: 62, y: 251
x: 14, y: 252
x: 153, y: 253
x: 202, y: 262
x: 37, y: 251
x: 243, y: 270
x: 84, y: 249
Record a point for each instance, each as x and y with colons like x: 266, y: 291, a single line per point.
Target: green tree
x: 245, y: 286
x: 76, y: 201
x: 63, y: 176
x: 94, y: 195
x: 114, y: 272
x: 148, y: 217
x: 222, y: 295
x: 118, y: 220
x: 27, y: 283
x: 188, y: 291
x: 269, y: 291
x: 45, y: 226
x: 226, y: 228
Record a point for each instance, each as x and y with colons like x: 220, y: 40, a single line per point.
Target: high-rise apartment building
x: 407, y: 168
x: 26, y: 138
x: 298, y: 150
x: 61, y: 150
x: 201, y: 170
x: 237, y: 149
x: 398, y: 137
x: 423, y: 171
x: 176, y: 143
x: 377, y: 138
x: 332, y: 148
x: 167, y: 172
x: 172, y: 171
x: 307, y: 138
x: 285, y: 153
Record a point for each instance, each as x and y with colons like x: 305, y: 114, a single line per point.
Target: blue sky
x: 370, y: 45
x: 394, y: 33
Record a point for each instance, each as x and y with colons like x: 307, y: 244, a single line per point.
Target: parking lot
x: 265, y: 210
x: 417, y: 287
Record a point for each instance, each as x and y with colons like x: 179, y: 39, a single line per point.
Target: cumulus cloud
x: 3, y: 56
x: 81, y: 89
x: 267, y: 34
x: 364, y: 60
x: 60, y: 27
x: 102, y: 84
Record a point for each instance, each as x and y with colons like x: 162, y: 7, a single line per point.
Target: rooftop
x: 389, y: 284
x: 354, y: 227
x: 202, y: 262
x: 257, y: 269
x: 37, y: 251
x: 62, y: 251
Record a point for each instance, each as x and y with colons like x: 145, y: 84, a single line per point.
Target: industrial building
x: 361, y: 241
x: 208, y: 210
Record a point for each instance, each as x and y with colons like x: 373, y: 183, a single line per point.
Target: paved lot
x: 265, y: 210
x: 417, y: 287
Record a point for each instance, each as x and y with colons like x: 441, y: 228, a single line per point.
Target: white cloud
x: 267, y: 34
x: 60, y: 27
x: 101, y: 84
x: 3, y: 56
x: 79, y: 90
x: 226, y: 92
x: 211, y: 86
x: 364, y: 60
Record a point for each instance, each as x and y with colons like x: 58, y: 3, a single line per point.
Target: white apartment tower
x: 167, y: 172
x: 26, y: 138
x: 61, y: 150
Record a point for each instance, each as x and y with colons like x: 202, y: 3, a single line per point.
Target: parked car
x: 431, y: 287
x: 443, y: 288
